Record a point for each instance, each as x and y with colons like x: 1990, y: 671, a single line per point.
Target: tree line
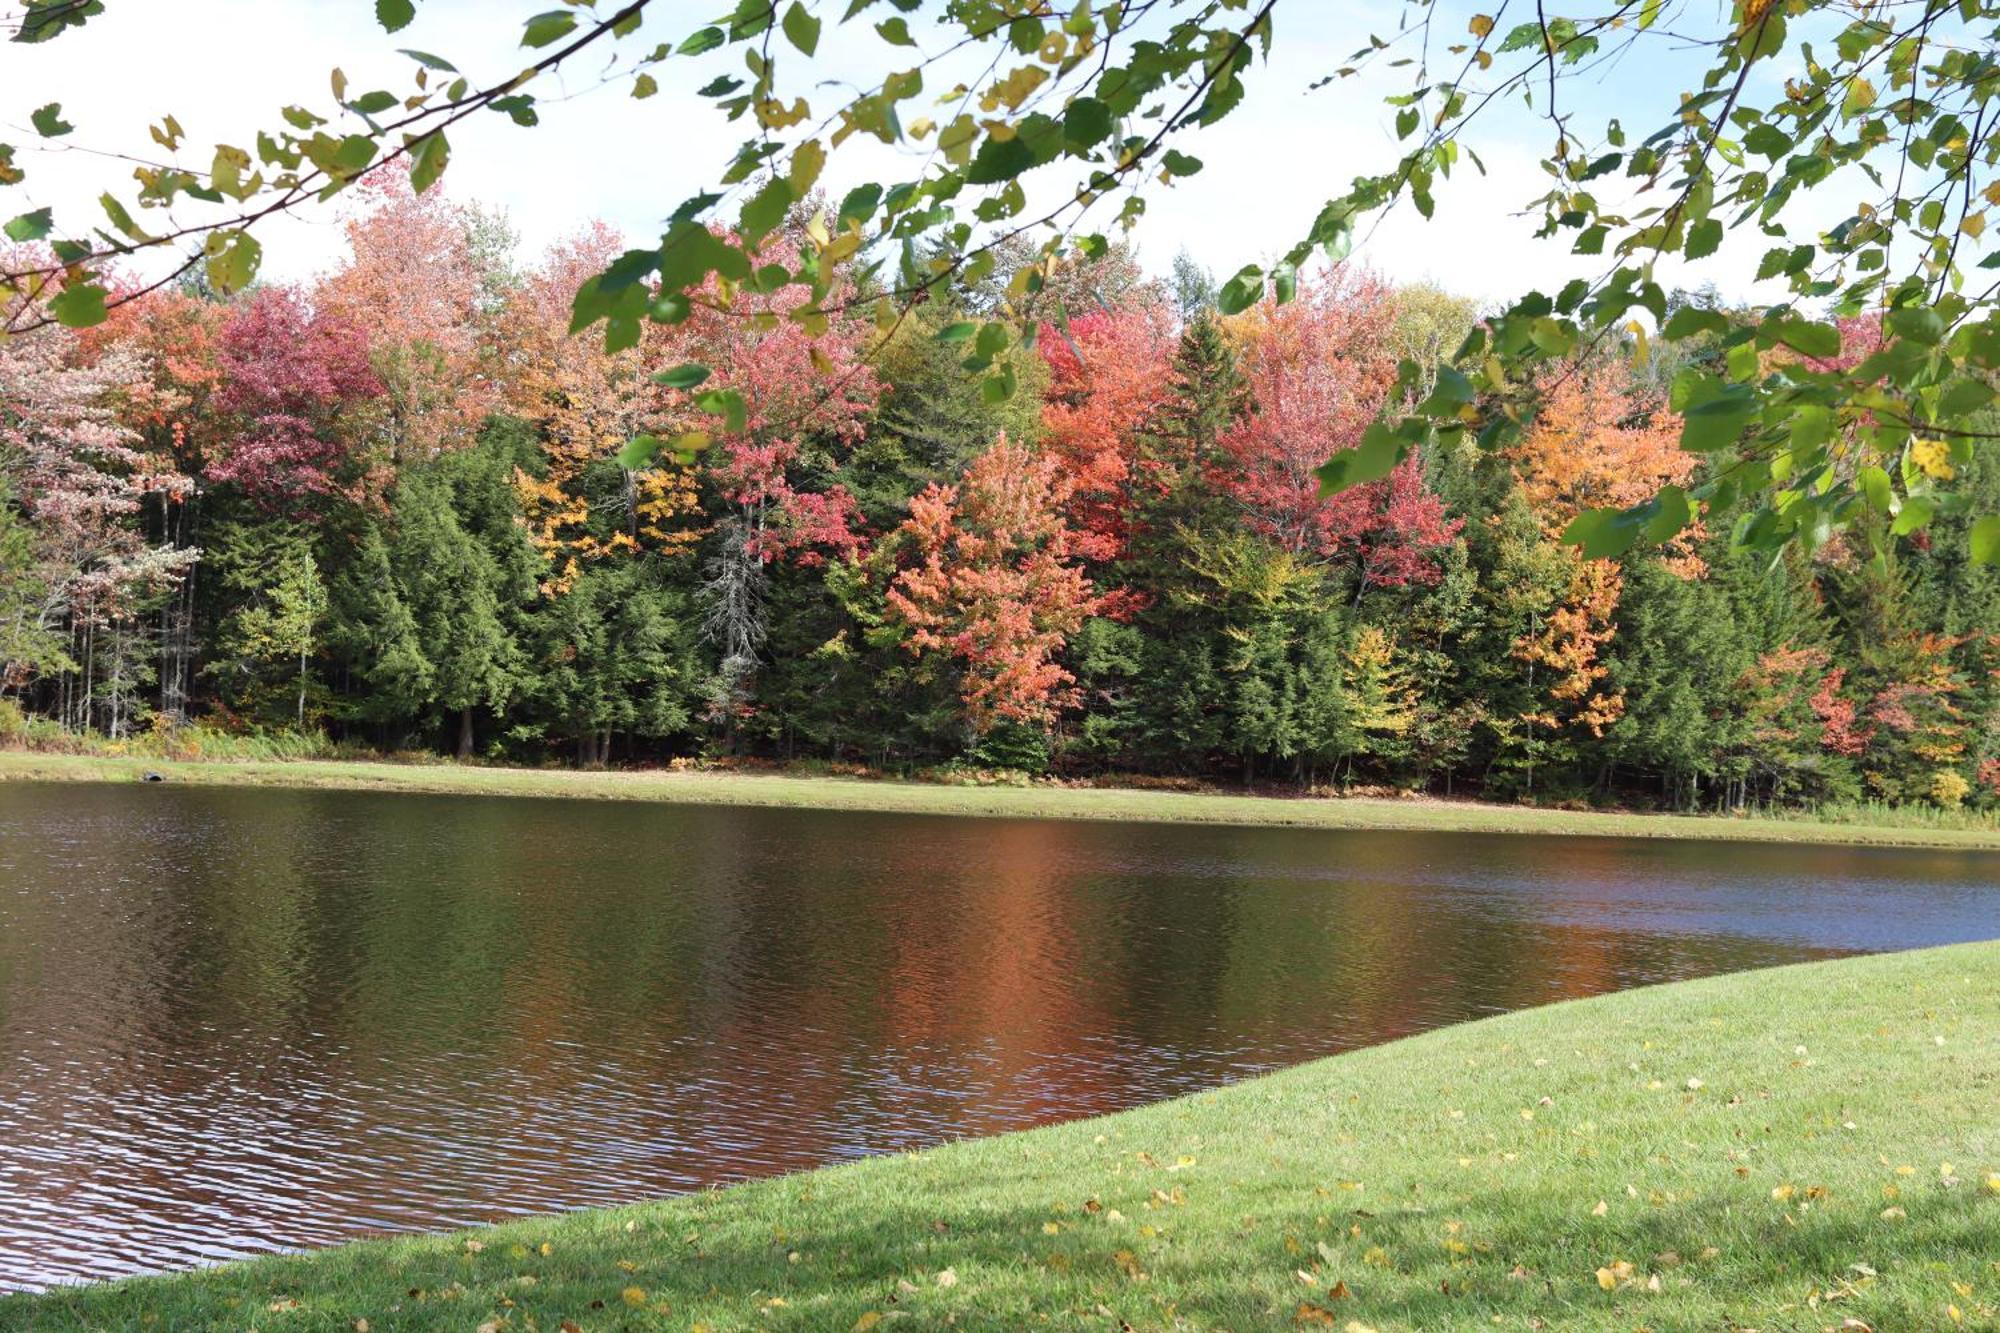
x: 401, y: 506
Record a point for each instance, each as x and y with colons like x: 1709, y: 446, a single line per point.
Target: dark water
x: 237, y: 1021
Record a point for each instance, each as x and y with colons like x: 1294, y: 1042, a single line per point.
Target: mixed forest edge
x: 397, y: 509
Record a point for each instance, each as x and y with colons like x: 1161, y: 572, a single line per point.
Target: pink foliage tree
x: 291, y: 375
x: 413, y: 281
x: 1320, y: 369
x: 807, y: 396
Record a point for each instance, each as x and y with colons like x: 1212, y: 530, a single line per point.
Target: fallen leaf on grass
x: 947, y: 1278
x: 867, y: 1321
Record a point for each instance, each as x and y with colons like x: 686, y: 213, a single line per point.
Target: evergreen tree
x: 456, y: 592
x: 1677, y: 659
x: 375, y: 637
x: 616, y: 658
x: 271, y: 633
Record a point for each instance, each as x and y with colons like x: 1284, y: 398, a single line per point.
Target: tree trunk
x: 465, y: 732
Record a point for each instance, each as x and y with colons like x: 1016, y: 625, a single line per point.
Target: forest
x: 397, y: 508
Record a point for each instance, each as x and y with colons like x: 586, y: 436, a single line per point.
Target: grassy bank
x: 1036, y: 802
x: 1774, y: 1150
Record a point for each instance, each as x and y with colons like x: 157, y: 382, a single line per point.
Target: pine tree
x: 455, y: 591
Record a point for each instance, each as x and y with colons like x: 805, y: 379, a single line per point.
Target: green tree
x: 272, y: 632
x: 1677, y: 659
x: 457, y: 594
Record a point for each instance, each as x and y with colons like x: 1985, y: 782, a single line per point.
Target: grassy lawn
x: 1775, y: 1150
x: 1035, y: 802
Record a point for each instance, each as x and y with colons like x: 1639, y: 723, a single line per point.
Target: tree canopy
x: 1857, y: 139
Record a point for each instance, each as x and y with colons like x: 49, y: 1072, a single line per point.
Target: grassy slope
x: 1019, y: 802
x: 1780, y: 1150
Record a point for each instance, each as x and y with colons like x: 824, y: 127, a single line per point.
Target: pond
x: 235, y: 1021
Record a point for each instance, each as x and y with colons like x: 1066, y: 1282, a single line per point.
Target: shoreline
x: 1676, y: 1156
x: 893, y: 796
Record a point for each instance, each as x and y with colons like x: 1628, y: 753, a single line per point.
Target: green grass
x: 1773, y: 1150
x: 1868, y: 826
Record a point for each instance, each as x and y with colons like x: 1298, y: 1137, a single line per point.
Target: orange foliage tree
x: 991, y: 581
x: 1109, y: 372
x: 586, y: 404
x: 1596, y: 442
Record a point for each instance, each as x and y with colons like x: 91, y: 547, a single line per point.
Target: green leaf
x: 1180, y: 163
x: 1920, y: 324
x: 1986, y: 540
x: 1690, y: 320
x: 1803, y: 335
x: 701, y: 42
x: 686, y: 376
x: 354, y: 153
x: 957, y: 332
x: 233, y: 259
x: 639, y: 451
x: 429, y: 61
x: 1000, y: 160
x: 801, y: 28
x: 1086, y: 123
x: 727, y: 404
x: 1664, y: 515
x: 1602, y: 534
x: 30, y: 226
x: 121, y: 218
x: 766, y: 209
x: 1704, y: 238
x: 1371, y: 460
x: 428, y: 160
x: 79, y: 305
x: 896, y: 32
x: 49, y: 123
x: 645, y: 86
x: 552, y: 26
x: 1242, y: 291
x: 1916, y: 513
x: 395, y: 15
x: 1717, y: 423
x: 49, y: 20
x: 1875, y: 487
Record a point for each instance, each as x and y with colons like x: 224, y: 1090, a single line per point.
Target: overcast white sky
x: 224, y: 67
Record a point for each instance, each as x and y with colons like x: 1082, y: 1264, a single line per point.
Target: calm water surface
x: 240, y: 1021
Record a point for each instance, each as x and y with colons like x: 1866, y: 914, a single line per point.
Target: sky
x: 223, y: 68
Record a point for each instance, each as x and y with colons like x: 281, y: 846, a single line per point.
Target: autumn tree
x: 581, y: 503
x: 1108, y: 374
x: 296, y: 378
x: 81, y: 477
x: 413, y: 280
x: 1319, y: 370
x: 989, y: 581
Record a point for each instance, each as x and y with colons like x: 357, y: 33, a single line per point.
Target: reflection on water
x: 236, y: 1021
